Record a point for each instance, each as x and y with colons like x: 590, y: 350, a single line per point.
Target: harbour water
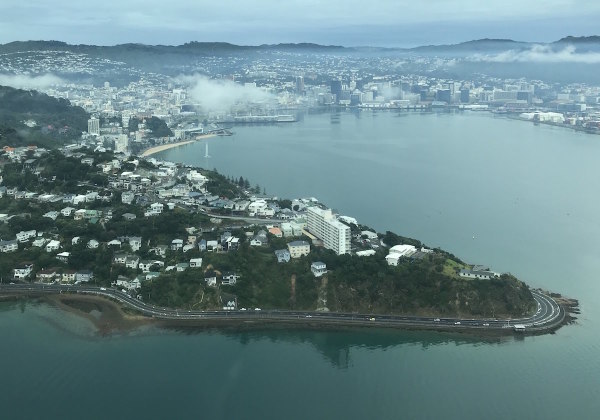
x: 519, y: 197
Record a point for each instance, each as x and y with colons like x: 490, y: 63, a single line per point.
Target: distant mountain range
x: 209, y: 48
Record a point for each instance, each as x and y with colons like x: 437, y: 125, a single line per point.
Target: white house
x: 8, y: 246
x: 318, y: 268
x: 127, y: 197
x: 52, y: 246
x: 229, y: 279
x: 39, y: 242
x: 93, y: 244
x: 67, y: 211
x: 176, y: 244
x: 22, y: 272
x: 399, y: 251
x: 25, y: 235
x: 135, y: 242
x: 132, y: 261
x: 195, y: 262
x: 63, y: 256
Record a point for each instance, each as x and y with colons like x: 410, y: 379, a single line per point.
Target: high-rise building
x: 336, y: 89
x: 300, y: 85
x: 121, y: 143
x: 334, y: 234
x: 94, y: 126
x: 464, y: 95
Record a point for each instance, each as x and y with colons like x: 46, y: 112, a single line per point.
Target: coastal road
x: 547, y: 317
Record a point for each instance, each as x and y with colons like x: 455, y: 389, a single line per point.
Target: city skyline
x: 383, y: 23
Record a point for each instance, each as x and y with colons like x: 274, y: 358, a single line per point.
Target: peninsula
x: 185, y: 244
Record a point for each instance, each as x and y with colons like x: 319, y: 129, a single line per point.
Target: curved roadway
x: 548, y: 315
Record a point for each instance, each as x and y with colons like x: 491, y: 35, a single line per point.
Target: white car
x: 457, y: 323
x: 437, y: 320
x: 257, y: 309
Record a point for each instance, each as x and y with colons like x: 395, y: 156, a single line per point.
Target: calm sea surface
x: 519, y: 197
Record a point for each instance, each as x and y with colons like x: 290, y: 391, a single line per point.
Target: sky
x: 392, y: 23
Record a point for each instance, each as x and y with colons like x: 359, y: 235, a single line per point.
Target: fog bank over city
x: 541, y: 54
x: 30, y: 82
x: 221, y: 94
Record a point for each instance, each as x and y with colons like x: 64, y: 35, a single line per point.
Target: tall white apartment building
x: 334, y: 234
x: 94, y: 126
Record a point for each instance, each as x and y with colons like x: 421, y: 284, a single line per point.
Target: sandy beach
x: 163, y: 147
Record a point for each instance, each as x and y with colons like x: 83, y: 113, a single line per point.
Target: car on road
x: 257, y: 309
x: 371, y: 319
x: 457, y: 323
x: 308, y: 316
x: 437, y: 320
x: 486, y: 324
x: 243, y: 309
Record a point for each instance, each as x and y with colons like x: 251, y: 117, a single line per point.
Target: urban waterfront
x: 519, y: 197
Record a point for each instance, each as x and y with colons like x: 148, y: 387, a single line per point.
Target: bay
x: 519, y: 197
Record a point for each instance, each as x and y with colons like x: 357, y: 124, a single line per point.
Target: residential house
x: 52, y: 246
x: 68, y: 276
x: 120, y: 258
x: 182, y: 266
x: 152, y: 275
x: 156, y: 207
x: 132, y: 261
x: 78, y: 199
x: 196, y: 263
x: 114, y: 242
x: 202, y: 245
x: 75, y: 240
x: 51, y: 215
x: 232, y: 243
x: 283, y: 255
x: 39, y: 242
x: 318, y: 268
x: 93, y: 244
x: 127, y: 197
x: 135, y: 242
x: 23, y: 272
x: 260, y: 239
x: 63, y: 256
x: 160, y: 250
x: 47, y: 276
x: 79, y: 214
x: 176, y: 244
x: 25, y: 235
x: 84, y: 276
x: 67, y: 211
x: 298, y: 248
x: 275, y: 231
x: 229, y: 279
x: 129, y: 216
x: 212, y: 246
x: 145, y: 265
x: 210, y: 278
